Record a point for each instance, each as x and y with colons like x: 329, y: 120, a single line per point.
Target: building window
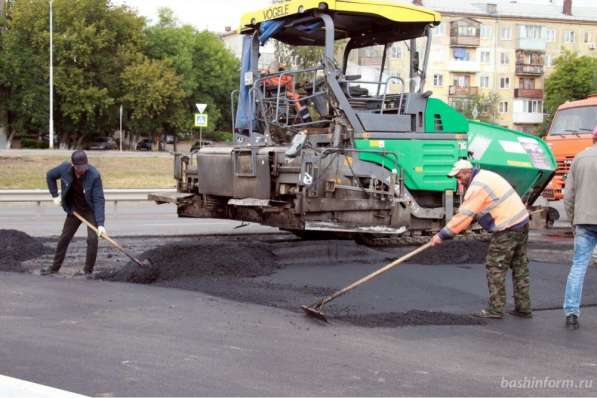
x: 532, y: 32
x: 529, y: 58
x: 527, y: 83
x: 485, y: 57
x: 461, y: 54
x: 550, y: 35
x: 504, y: 58
x: 438, y: 30
x: 569, y: 36
x: 548, y: 60
x: 485, y: 31
x: 396, y: 51
x: 532, y: 106
x: 504, y: 82
x: 506, y: 33
x: 503, y: 107
x: 438, y: 80
x: 462, y: 81
x: 484, y: 81
x: 588, y: 37
x: 467, y: 30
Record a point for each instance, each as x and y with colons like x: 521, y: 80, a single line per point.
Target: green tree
x: 4, y: 15
x: 93, y: 43
x: 209, y: 72
x: 574, y: 77
x: 485, y: 104
x: 154, y: 97
x: 298, y: 57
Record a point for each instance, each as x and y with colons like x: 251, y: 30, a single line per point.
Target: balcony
x: 462, y: 91
x: 465, y: 32
x: 529, y: 69
x: 531, y: 44
x: 463, y: 66
x: 464, y: 41
x: 527, y: 118
x: 528, y: 93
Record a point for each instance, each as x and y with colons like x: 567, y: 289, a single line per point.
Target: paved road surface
x: 102, y: 338
x: 125, y: 219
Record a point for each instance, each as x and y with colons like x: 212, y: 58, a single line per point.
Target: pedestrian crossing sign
x: 200, y: 119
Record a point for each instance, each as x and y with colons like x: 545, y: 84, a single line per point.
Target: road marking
x: 17, y: 388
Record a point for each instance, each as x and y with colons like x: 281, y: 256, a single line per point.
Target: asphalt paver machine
x: 321, y: 150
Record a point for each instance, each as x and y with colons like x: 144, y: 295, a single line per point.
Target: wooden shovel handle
x: 112, y: 241
x: 90, y: 225
x: 376, y: 273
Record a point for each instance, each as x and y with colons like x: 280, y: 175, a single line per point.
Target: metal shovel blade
x: 143, y: 264
x: 313, y: 311
x: 146, y: 263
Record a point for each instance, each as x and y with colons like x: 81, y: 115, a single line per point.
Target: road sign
x: 201, y: 107
x: 200, y: 119
x: 475, y: 112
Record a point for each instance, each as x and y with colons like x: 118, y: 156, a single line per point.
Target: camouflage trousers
x: 508, y: 249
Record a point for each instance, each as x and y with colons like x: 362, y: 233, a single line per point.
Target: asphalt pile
x: 192, y: 263
x: 17, y: 246
x: 410, y: 318
x: 232, y: 269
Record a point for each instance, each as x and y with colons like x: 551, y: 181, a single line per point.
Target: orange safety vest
x: 492, y: 202
x: 287, y: 82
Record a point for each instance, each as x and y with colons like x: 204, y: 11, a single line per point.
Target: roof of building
x: 527, y: 9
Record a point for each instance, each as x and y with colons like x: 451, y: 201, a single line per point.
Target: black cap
x: 79, y: 160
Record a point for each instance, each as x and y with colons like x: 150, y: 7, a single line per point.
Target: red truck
x: 569, y: 133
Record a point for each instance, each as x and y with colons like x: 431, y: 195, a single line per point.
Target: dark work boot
x: 521, y: 314
x: 572, y: 322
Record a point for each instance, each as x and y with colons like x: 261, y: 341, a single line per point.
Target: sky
x: 215, y: 15
x: 202, y: 14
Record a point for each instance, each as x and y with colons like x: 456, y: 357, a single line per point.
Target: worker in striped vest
x: 492, y: 202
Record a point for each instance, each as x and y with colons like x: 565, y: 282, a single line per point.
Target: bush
x: 31, y: 143
x: 218, y: 136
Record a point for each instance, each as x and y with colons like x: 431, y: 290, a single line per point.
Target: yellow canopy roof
x: 352, y: 18
x: 396, y: 12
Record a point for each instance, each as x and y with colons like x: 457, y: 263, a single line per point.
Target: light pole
x: 120, y: 128
x: 51, y: 83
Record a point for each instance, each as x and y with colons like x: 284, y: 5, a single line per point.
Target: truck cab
x: 569, y: 133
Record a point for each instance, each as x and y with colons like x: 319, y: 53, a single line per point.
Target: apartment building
x: 503, y: 47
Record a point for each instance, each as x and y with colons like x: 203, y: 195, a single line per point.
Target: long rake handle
x: 112, y: 241
x: 374, y: 274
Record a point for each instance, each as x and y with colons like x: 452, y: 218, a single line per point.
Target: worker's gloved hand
x: 57, y: 200
x: 101, y: 232
x: 436, y: 240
